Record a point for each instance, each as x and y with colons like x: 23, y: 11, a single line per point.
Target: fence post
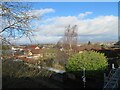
x: 113, y: 67
x: 83, y: 77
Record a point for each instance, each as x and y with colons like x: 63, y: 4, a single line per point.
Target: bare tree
x: 15, y: 20
x: 69, y: 40
x: 67, y: 45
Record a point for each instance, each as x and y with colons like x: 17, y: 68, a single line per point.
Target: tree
x: 67, y: 44
x: 89, y: 43
x: 5, y: 47
x: 15, y: 20
x: 70, y: 38
x: 90, y: 60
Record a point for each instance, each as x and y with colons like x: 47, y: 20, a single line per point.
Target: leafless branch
x: 16, y: 20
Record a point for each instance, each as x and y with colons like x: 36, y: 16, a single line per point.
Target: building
x: 33, y: 51
x: 17, y: 48
x: 31, y: 47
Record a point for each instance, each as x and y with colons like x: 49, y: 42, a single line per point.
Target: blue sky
x: 74, y: 8
x: 89, y: 16
x: 67, y: 0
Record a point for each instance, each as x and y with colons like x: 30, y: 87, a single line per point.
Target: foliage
x: 90, y: 60
x: 49, y: 53
x: 58, y: 66
x: 20, y: 69
x: 5, y: 47
x: 45, y: 61
x: 67, y: 45
x: 48, y: 57
x: 17, y: 74
x: 89, y: 43
x: 49, y: 62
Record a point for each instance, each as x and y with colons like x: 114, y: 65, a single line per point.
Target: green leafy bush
x: 90, y: 60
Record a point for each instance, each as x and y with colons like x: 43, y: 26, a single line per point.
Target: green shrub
x: 90, y: 60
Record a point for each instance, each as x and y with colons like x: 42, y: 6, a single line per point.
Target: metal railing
x: 111, y: 82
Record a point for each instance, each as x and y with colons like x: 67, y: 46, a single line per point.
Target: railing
x: 111, y: 82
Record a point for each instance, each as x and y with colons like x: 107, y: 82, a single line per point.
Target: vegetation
x: 89, y: 43
x: 50, y: 62
x: 90, y: 60
x: 118, y: 61
x: 17, y: 21
x: 67, y: 45
x: 48, y: 57
x: 17, y: 74
x: 6, y: 47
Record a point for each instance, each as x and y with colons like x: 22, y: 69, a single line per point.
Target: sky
x: 62, y: 0
x: 96, y: 21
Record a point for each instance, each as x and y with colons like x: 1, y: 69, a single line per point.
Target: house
x: 82, y: 48
x: 33, y: 51
x: 31, y: 47
x: 36, y: 53
x: 17, y: 48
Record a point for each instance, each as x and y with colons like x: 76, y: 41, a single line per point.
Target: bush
x: 90, y: 60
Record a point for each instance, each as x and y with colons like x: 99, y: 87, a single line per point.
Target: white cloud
x: 41, y: 12
x: 98, y: 25
x: 82, y: 15
x: 98, y: 28
x: 37, y: 39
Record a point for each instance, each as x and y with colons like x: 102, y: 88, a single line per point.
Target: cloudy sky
x: 97, y: 22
